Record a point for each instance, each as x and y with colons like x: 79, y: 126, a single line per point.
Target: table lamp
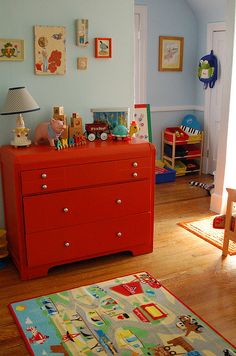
x: 19, y: 101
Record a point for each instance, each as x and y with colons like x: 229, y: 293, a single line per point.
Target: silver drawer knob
x: 43, y: 175
x: 65, y: 210
x: 135, y: 164
x: 44, y: 186
x: 119, y: 234
x: 67, y: 244
x: 135, y: 174
x: 118, y: 201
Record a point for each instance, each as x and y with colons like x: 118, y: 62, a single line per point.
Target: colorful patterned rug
x: 130, y: 315
x: 204, y: 228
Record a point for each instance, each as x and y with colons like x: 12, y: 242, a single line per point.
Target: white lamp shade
x: 19, y: 101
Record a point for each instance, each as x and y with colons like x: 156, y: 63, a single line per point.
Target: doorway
x: 216, y: 38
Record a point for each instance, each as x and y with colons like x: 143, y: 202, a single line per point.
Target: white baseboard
x: 176, y: 108
x: 216, y: 203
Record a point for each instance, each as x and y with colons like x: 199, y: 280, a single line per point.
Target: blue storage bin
x: 165, y: 177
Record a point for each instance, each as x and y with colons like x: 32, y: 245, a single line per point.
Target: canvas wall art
x: 50, y: 52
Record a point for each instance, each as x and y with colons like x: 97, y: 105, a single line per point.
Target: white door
x: 140, y: 48
x: 214, y: 97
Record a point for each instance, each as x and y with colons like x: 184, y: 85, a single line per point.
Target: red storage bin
x: 179, y: 134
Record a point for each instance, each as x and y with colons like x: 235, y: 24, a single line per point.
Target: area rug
x: 204, y: 228
x: 129, y: 315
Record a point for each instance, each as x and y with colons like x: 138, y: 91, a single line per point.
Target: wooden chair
x: 230, y: 223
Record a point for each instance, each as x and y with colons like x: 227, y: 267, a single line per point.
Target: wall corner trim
x: 176, y: 108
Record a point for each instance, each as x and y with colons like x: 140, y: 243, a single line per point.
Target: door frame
x: 211, y: 27
x: 141, y: 10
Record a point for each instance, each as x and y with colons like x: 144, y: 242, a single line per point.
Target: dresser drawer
x: 54, y: 210
x: 88, y: 240
x: 52, y: 179
x: 108, y: 172
x: 43, y: 180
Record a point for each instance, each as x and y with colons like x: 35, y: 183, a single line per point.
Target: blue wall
x: 187, y: 18
x: 106, y: 82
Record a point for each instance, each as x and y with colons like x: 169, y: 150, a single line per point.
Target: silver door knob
x: 119, y: 234
x: 67, y: 244
x: 118, y: 201
x: 65, y: 210
x: 44, y: 186
x: 135, y: 164
x: 135, y: 174
x: 43, y: 175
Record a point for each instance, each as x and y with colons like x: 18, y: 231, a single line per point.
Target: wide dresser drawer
x: 88, y: 240
x: 54, y: 210
x: 58, y: 178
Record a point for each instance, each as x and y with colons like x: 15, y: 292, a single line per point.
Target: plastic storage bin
x: 179, y: 134
x: 165, y: 175
x: 180, y: 167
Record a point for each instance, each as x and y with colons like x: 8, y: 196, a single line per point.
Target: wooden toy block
x: 65, y: 133
x: 75, y: 131
x: 76, y: 121
x: 58, y: 110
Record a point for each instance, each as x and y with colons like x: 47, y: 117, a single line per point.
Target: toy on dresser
x: 50, y: 131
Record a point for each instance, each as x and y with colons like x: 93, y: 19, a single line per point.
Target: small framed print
x: 103, y: 47
x: 11, y: 49
x: 170, y: 53
x: 82, y: 63
x: 82, y: 33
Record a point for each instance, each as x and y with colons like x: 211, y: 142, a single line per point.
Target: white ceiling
x: 203, y: 7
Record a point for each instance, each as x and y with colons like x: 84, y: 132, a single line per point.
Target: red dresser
x: 78, y: 203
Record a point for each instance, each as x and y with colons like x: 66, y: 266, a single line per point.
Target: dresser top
x: 34, y: 156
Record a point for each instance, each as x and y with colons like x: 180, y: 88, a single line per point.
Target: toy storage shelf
x: 175, y: 160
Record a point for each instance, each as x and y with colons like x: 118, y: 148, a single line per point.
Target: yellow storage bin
x: 195, y: 138
x: 180, y: 167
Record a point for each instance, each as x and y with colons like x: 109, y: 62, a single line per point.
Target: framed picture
x: 82, y: 63
x: 50, y: 52
x: 171, y: 53
x: 82, y: 32
x: 103, y: 47
x: 142, y: 116
x: 11, y: 49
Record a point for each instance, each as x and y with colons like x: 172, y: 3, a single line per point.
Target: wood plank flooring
x: 191, y: 268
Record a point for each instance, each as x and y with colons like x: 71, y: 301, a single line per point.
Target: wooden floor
x: 190, y: 267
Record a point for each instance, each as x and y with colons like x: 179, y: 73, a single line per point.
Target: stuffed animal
x: 49, y: 131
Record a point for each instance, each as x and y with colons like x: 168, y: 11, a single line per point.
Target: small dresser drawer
x: 108, y: 172
x: 43, y: 180
x: 88, y: 240
x: 51, y: 211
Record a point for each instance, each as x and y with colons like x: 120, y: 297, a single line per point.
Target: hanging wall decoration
x: 50, y: 52
x: 82, y: 32
x: 11, y: 49
x: 82, y: 63
x: 103, y: 47
x: 170, y: 54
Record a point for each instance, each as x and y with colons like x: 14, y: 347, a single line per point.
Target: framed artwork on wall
x: 50, y: 52
x: 170, y: 53
x: 103, y: 47
x: 11, y: 49
x: 82, y: 63
x: 82, y: 32
x: 142, y: 116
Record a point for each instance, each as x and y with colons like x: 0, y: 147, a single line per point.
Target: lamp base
x: 20, y: 141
